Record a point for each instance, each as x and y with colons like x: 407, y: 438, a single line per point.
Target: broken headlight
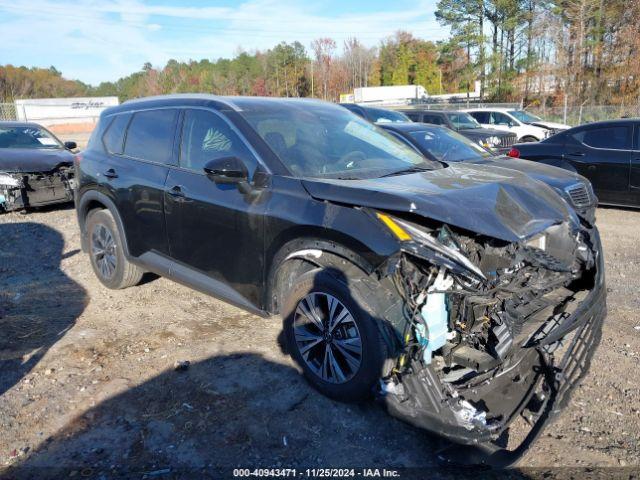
x: 405, y: 231
x: 9, y: 181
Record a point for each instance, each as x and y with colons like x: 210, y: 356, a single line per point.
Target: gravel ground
x: 87, y: 380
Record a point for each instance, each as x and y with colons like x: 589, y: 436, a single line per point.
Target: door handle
x: 176, y: 191
x: 178, y: 194
x: 576, y: 154
x: 111, y: 173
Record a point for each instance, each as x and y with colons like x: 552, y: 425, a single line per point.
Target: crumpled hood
x: 29, y: 160
x: 493, y: 201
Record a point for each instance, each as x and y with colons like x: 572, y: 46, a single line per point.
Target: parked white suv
x: 527, y: 126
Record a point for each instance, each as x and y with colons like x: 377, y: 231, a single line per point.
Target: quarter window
x: 150, y: 135
x: 612, y: 138
x: 113, y: 138
x: 205, y: 137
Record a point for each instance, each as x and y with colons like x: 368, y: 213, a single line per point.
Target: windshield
x: 524, y: 117
x: 448, y: 146
x: 314, y: 139
x: 27, y: 137
x: 463, y: 121
x: 379, y: 115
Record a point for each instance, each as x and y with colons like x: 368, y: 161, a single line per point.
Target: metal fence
x: 569, y: 115
x: 460, y: 105
x: 8, y: 111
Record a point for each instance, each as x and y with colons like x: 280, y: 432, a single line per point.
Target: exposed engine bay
x: 482, y: 324
x: 23, y: 190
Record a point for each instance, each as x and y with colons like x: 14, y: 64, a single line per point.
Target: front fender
x: 296, y: 222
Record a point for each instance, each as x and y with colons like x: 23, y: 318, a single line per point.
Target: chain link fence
x: 8, y: 112
x: 459, y: 105
x: 569, y: 115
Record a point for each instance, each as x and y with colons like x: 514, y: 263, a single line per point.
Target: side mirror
x: 227, y: 170
x: 70, y: 145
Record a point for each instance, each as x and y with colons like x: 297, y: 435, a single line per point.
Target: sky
x: 103, y: 40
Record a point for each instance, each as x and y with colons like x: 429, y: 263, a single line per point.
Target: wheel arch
x: 93, y: 200
x: 302, y: 254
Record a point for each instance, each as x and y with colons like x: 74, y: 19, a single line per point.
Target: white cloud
x: 120, y: 35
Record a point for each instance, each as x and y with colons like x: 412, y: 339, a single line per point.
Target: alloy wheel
x: 103, y: 249
x: 327, y: 337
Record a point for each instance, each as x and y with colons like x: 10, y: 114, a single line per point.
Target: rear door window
x: 113, y: 137
x: 415, y: 117
x: 206, y: 136
x: 498, y: 118
x: 611, y: 137
x: 151, y: 134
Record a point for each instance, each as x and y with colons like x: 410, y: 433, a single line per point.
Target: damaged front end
x: 33, y: 189
x: 490, y: 330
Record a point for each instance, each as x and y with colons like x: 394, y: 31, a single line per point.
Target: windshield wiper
x: 405, y: 171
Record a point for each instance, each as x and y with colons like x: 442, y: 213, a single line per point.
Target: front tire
x: 332, y: 335
x: 529, y: 139
x: 107, y: 256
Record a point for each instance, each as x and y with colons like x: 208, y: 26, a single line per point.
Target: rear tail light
x: 514, y: 153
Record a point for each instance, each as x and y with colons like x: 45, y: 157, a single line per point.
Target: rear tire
x: 107, y: 256
x: 339, y: 348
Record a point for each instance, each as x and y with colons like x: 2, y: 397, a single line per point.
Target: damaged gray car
x: 36, y: 168
x: 462, y: 296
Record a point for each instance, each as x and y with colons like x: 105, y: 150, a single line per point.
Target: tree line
x: 535, y: 51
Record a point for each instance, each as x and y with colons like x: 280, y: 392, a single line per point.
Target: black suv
x: 445, y: 290
x: 463, y: 123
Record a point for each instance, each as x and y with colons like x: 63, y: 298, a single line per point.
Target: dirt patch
x: 87, y: 378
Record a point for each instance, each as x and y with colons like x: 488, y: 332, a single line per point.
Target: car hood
x: 550, y: 125
x: 33, y: 160
x: 483, y: 132
x: 489, y: 200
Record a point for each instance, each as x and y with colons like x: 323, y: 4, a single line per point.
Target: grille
x: 580, y: 195
x: 508, y: 140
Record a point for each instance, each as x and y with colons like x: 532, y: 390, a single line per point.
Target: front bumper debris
x: 37, y: 189
x: 533, y: 378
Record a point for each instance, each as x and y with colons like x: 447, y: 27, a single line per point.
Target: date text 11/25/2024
x: 317, y: 472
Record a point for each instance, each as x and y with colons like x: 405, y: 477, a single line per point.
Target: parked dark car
x: 443, y: 289
x: 375, y: 114
x: 607, y: 153
x: 36, y: 168
x: 463, y: 123
x: 443, y: 145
